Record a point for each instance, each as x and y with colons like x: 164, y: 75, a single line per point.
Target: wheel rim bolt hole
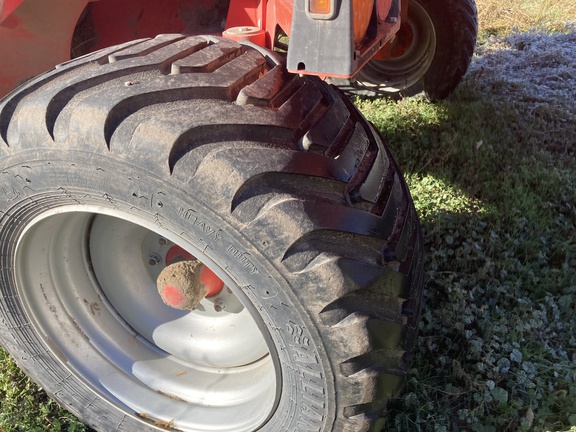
x: 219, y: 305
x: 154, y: 259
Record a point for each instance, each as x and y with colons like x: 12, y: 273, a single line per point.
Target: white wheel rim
x: 88, y: 287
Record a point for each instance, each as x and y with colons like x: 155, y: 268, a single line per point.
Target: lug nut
x: 162, y: 241
x: 219, y: 305
x: 154, y: 259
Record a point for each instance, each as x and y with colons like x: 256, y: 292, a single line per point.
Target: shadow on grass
x: 493, y: 180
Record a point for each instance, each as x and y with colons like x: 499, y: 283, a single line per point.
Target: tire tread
x: 292, y: 160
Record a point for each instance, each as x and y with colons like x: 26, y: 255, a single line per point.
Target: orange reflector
x: 320, y: 7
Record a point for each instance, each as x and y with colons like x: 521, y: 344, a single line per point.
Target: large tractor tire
x: 431, y: 53
x: 199, y: 149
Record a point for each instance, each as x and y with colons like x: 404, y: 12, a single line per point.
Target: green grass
x: 26, y: 408
x: 497, y: 346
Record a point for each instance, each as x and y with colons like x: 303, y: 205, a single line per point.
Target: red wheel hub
x: 399, y: 45
x: 404, y: 40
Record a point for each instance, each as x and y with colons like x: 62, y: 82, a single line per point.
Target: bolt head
x: 219, y: 305
x: 154, y: 259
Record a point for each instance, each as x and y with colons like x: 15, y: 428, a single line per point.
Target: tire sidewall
x: 71, y: 178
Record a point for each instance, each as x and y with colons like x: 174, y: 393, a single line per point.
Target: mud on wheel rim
x: 140, y: 350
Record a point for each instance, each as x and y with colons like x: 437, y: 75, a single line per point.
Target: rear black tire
x: 444, y: 37
x: 275, y: 180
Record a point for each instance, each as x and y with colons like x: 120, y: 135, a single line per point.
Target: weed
x: 26, y: 407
